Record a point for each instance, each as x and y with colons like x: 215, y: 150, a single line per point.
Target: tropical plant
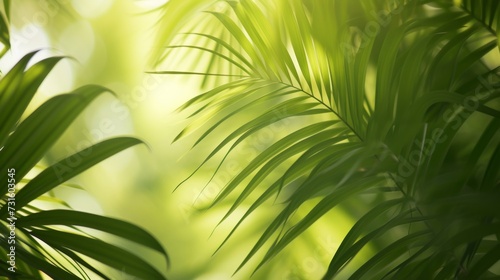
x: 396, y: 101
x: 51, y: 240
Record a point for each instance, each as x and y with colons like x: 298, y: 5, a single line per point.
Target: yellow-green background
x: 111, y: 44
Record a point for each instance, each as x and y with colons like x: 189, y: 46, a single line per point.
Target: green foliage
x: 393, y: 99
x: 52, y: 241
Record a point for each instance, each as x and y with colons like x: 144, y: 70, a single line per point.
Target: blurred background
x: 109, y: 43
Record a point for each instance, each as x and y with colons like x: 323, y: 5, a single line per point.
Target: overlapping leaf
x: 25, y: 142
x: 400, y: 84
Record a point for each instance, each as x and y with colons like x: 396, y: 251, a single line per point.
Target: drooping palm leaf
x: 306, y: 61
x: 48, y: 241
x: 25, y: 144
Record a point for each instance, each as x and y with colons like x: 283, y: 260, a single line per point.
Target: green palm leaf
x: 25, y: 143
x: 308, y: 67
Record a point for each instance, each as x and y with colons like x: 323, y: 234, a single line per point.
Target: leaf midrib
x: 478, y: 20
x: 326, y: 106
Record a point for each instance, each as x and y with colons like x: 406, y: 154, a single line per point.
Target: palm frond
x: 398, y: 135
x: 52, y: 242
x: 25, y: 143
